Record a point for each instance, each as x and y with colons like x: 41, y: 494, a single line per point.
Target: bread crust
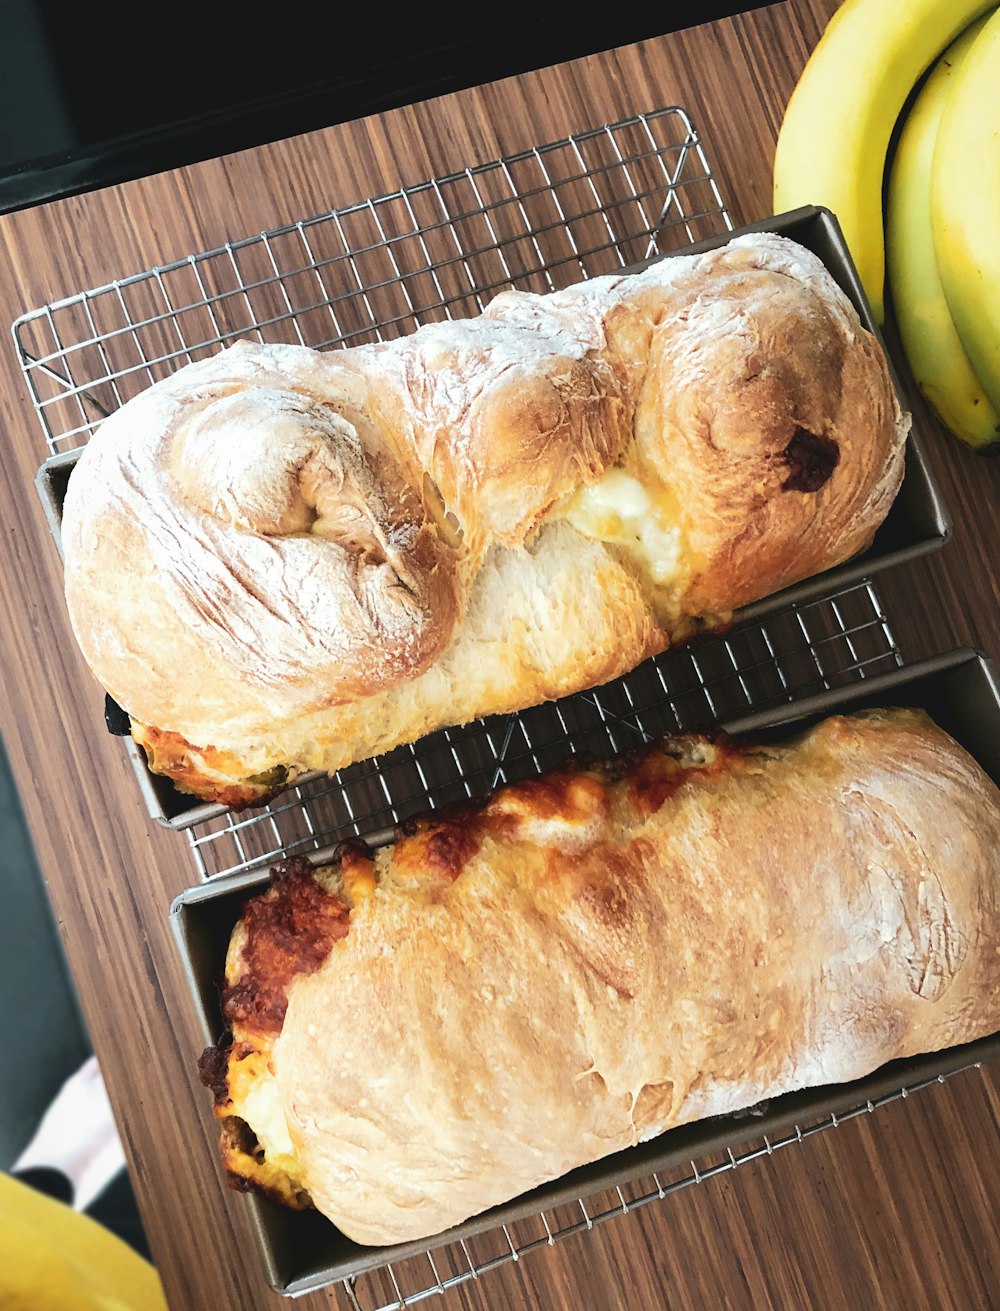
x: 281, y: 560
x: 510, y: 991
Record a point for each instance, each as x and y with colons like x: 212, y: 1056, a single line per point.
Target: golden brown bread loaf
x: 280, y: 560
x: 593, y: 957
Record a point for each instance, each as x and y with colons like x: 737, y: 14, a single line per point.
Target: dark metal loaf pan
x: 917, y: 523
x: 300, y: 1251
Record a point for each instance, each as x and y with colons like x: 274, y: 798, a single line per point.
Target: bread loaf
x: 590, y: 958
x: 281, y: 560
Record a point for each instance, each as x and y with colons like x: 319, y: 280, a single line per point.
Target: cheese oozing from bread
x: 618, y: 510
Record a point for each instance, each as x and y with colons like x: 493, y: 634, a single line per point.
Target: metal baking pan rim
x: 52, y: 477
x: 684, y: 1142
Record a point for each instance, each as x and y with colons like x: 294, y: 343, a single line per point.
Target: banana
x: 965, y: 205
x: 834, y: 137
x: 933, y: 348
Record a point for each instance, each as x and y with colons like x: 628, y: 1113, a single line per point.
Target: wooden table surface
x: 890, y: 1210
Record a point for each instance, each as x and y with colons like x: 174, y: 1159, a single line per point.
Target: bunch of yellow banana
x: 939, y: 240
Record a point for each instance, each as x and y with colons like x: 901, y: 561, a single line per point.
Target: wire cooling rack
x: 595, y: 202
x: 539, y: 220
x: 604, y: 199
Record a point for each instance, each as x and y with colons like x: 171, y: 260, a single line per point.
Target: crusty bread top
x: 274, y: 531
x: 510, y: 991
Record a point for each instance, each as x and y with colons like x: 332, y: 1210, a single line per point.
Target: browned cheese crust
x: 510, y: 991
x: 281, y: 560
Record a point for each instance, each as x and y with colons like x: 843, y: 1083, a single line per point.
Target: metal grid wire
x: 407, y: 1283
x: 593, y: 203
x: 811, y: 648
x: 539, y: 220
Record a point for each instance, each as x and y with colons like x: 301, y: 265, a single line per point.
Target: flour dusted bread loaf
x: 590, y: 958
x: 280, y: 560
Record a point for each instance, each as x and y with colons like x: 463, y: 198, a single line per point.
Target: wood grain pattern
x: 892, y: 1210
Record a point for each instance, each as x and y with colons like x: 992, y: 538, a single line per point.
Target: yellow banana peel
x: 834, y: 138
x: 965, y: 204
x: 932, y: 345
